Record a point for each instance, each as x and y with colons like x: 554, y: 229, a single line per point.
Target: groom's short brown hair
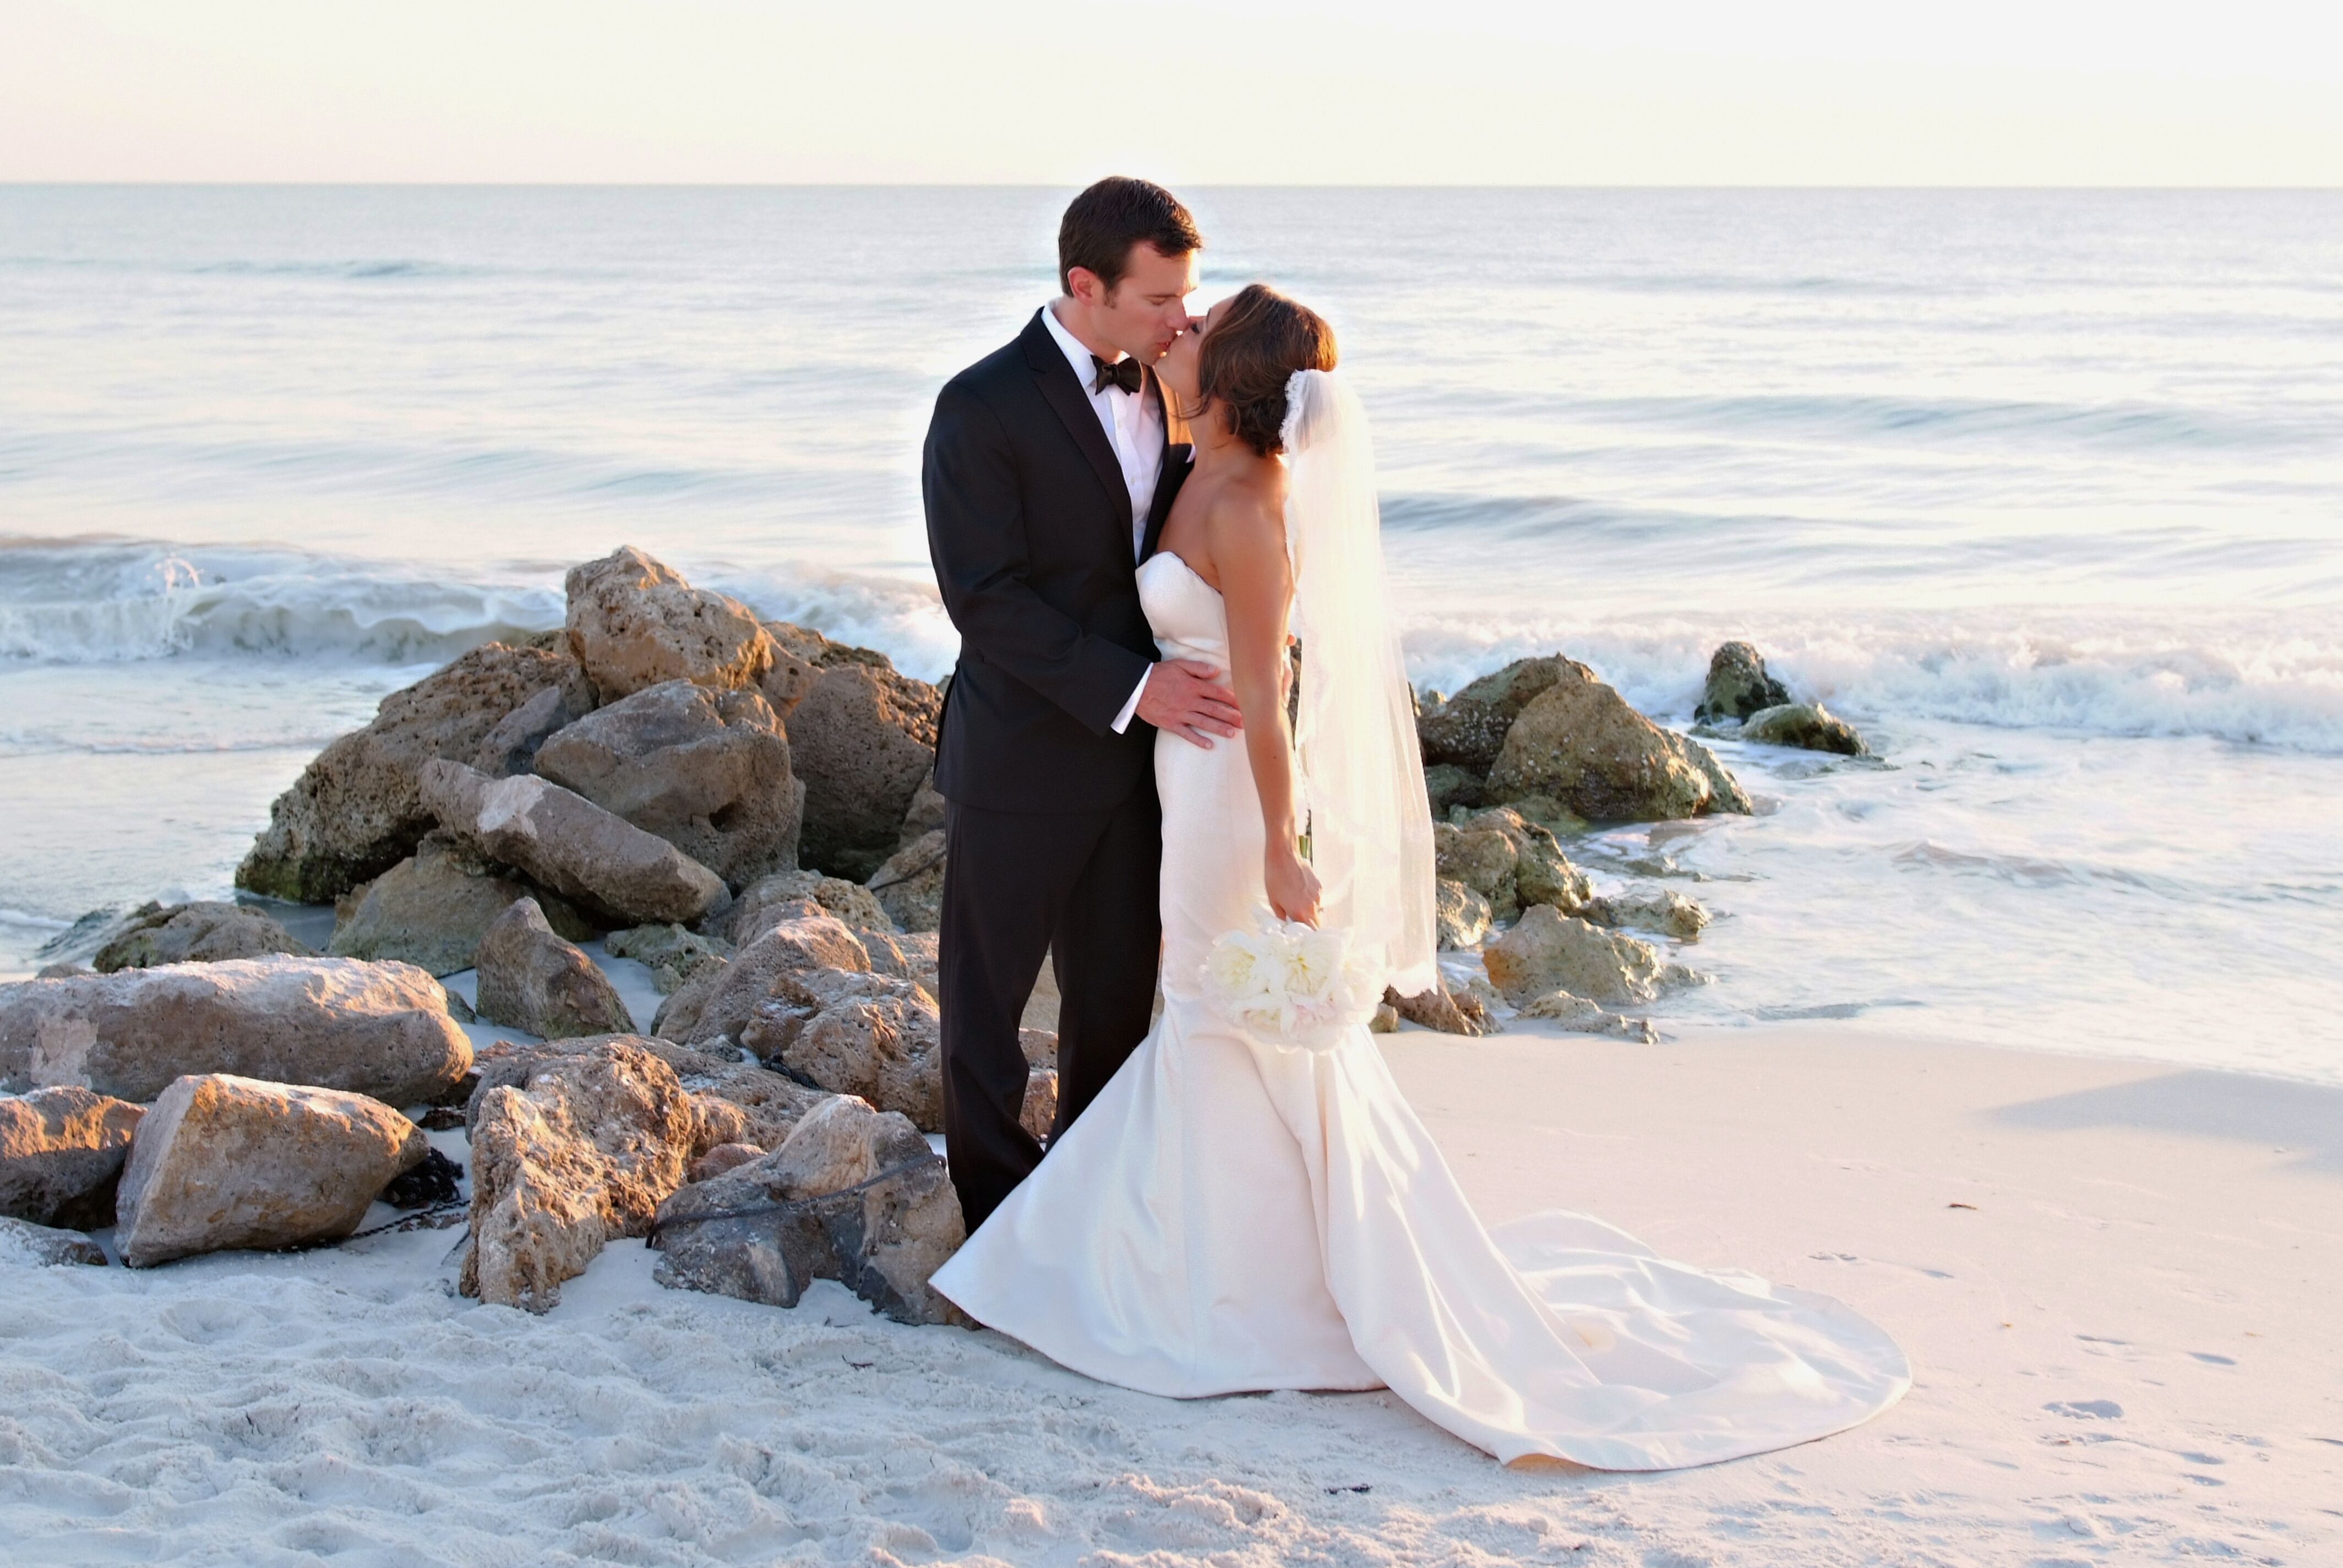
x: 1104, y: 222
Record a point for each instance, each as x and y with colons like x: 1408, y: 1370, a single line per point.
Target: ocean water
x: 2044, y: 490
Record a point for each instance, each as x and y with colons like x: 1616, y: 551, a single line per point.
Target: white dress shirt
x: 1135, y: 428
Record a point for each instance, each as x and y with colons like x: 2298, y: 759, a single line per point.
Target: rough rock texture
x: 926, y: 813
x: 381, y: 1029
x: 632, y: 623
x: 1448, y: 786
x: 222, y: 1161
x: 510, y: 746
x: 735, y: 1102
x: 1039, y: 1109
x: 863, y: 1034
x: 432, y: 908
x: 571, y: 845
x: 1581, y: 1016
x: 862, y: 740
x: 357, y: 810
x: 1510, y: 861
x: 1549, y: 952
x: 708, y: 771
x: 770, y: 901
x: 193, y: 933
x: 532, y: 980
x: 720, y: 1008
x: 722, y: 1157
x: 40, y: 1247
x: 583, y: 1154
x: 1738, y: 685
x: 1447, y: 1011
x: 855, y: 1195
x: 1650, y: 910
x: 61, y: 1155
x: 1468, y: 730
x: 671, y: 954
x: 1462, y: 914
x: 910, y: 885
x: 1580, y: 743
x: 1809, y: 725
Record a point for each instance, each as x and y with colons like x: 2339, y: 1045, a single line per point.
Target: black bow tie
x: 1124, y: 373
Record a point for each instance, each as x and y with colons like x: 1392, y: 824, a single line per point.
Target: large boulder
x: 583, y: 1154
x: 734, y: 1102
x: 1461, y: 915
x: 41, y: 1247
x: 1738, y: 685
x: 854, y: 1195
x: 1579, y: 743
x: 863, y: 1034
x: 61, y: 1155
x: 708, y: 771
x: 716, y: 1005
x: 633, y: 623
x: 357, y: 810
x: 1548, y: 950
x: 910, y: 885
x: 432, y: 908
x: 158, y: 934
x: 1807, y: 725
x: 770, y: 901
x: 1468, y: 730
x: 223, y: 1162
x: 380, y: 1030
x: 530, y: 979
x: 671, y: 954
x: 862, y: 739
x: 569, y: 844
x: 1510, y: 861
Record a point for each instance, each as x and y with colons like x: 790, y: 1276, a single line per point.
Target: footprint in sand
x: 2086, y: 1409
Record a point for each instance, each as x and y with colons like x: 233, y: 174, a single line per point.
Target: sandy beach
x: 2115, y: 1280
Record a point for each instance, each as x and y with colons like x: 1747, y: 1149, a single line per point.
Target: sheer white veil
x: 1361, y: 772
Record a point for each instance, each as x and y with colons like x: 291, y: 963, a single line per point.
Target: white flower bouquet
x: 1290, y: 984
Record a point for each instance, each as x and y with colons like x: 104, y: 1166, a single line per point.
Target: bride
x: 1240, y: 1212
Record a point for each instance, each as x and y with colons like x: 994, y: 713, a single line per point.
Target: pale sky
x: 1702, y: 92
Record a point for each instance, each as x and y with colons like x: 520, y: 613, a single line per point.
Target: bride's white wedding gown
x: 1231, y: 1214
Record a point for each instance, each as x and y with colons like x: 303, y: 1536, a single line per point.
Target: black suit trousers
x: 1080, y: 886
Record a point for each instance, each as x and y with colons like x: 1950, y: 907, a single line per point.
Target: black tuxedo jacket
x: 1030, y: 528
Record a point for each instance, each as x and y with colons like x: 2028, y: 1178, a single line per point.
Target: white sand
x: 2128, y: 1352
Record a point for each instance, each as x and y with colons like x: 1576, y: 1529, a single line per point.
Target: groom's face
x: 1148, y: 307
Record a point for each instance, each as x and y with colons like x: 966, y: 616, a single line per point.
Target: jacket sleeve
x: 977, y: 538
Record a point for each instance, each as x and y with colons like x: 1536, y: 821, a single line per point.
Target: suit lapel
x: 1172, y: 471
x: 1064, y: 392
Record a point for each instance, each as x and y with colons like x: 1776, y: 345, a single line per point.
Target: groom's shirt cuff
x: 1122, y: 719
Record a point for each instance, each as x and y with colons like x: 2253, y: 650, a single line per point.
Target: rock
x: 1445, y: 1009
x: 1580, y: 743
x: 510, y: 746
x: 722, y: 1157
x: 924, y: 816
x: 569, y: 844
x: 1547, y: 952
x: 708, y: 771
x: 1461, y: 914
x: 193, y: 933
x: 632, y: 623
x: 532, y: 980
x: 910, y: 885
x: 1809, y: 725
x: 64, y: 970
x: 862, y: 740
x: 1448, y: 786
x: 1385, y: 1021
x: 855, y: 1195
x: 1510, y: 861
x: 357, y: 810
x: 40, y: 1247
x: 1468, y: 730
x: 583, y: 1154
x: 734, y: 1102
x: 432, y: 908
x: 671, y: 954
x: 222, y: 1162
x: 61, y: 1154
x: 791, y: 675
x: 1651, y: 909
x: 770, y: 901
x: 380, y: 1030
x: 1581, y: 1016
x: 1482, y: 859
x: 856, y: 1034
x: 426, y: 1184
x: 1737, y: 685
x: 1038, y: 1112
x: 695, y: 1015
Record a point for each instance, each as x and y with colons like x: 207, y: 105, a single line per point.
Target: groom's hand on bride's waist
x: 1187, y: 698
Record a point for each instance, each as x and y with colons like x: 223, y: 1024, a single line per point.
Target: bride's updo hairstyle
x: 1261, y: 340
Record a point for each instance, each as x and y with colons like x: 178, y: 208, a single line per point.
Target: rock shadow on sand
x: 2301, y: 1120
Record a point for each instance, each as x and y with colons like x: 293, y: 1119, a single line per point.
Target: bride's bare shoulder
x: 1247, y: 516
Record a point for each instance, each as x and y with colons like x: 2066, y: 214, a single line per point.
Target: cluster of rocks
x: 1741, y: 700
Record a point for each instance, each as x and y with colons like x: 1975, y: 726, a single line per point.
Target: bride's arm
x: 1248, y: 544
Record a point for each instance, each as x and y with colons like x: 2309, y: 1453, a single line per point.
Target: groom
x: 1048, y: 468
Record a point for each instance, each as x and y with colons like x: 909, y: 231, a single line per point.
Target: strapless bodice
x: 1185, y: 612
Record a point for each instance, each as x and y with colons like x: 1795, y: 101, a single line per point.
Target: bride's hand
x: 1293, y: 886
